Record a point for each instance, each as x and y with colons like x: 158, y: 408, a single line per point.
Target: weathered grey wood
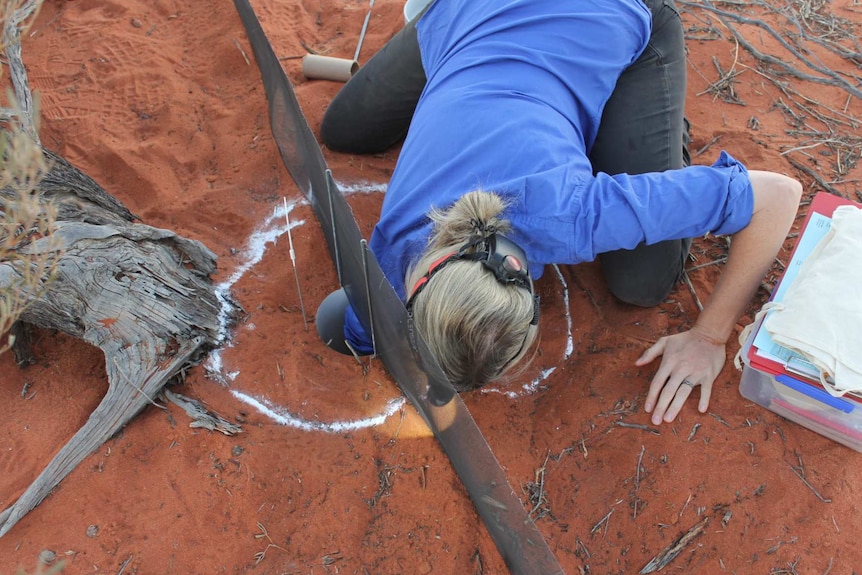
x: 143, y: 295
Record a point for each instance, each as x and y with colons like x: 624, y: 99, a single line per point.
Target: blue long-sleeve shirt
x: 515, y: 93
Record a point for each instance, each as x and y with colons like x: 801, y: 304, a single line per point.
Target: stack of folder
x: 783, y: 381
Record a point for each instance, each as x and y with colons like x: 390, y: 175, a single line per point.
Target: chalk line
x: 283, y: 416
x: 275, y: 226
x: 531, y: 387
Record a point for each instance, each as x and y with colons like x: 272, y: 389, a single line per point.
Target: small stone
x: 137, y: 23
x: 237, y: 450
x: 46, y: 556
x: 92, y: 531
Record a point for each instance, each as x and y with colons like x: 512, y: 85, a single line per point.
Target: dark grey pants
x: 642, y: 130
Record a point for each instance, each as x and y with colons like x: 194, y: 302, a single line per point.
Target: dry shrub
x: 26, y: 267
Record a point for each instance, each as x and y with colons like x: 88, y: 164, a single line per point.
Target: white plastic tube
x: 317, y: 67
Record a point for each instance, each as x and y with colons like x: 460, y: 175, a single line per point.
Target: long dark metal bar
x: 404, y: 354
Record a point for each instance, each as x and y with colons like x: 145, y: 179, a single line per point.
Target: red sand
x: 156, y: 101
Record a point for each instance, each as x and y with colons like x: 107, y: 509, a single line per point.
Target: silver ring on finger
x: 689, y: 383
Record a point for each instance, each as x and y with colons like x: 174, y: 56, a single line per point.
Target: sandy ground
x: 159, y: 102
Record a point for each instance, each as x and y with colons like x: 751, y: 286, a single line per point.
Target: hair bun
x: 477, y: 214
x: 483, y: 228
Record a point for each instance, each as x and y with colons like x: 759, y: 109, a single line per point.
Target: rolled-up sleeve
x: 603, y: 213
x: 739, y: 205
x: 624, y: 210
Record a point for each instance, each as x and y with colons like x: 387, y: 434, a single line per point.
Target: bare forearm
x: 695, y: 358
x: 752, y: 251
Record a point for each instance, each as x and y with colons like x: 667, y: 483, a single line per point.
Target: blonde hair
x: 477, y: 327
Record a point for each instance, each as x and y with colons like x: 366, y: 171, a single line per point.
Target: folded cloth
x: 820, y: 316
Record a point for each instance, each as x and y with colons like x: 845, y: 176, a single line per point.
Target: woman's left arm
x: 697, y: 356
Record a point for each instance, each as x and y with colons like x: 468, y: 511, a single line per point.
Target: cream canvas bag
x: 820, y: 316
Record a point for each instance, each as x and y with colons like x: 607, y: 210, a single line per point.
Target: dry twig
x: 638, y: 482
x: 536, y: 491
x: 800, y: 473
x: 670, y: 552
x: 603, y: 521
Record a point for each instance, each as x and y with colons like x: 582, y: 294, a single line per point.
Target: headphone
x: 498, y: 254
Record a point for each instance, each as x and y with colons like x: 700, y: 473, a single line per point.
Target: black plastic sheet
x: 382, y: 313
